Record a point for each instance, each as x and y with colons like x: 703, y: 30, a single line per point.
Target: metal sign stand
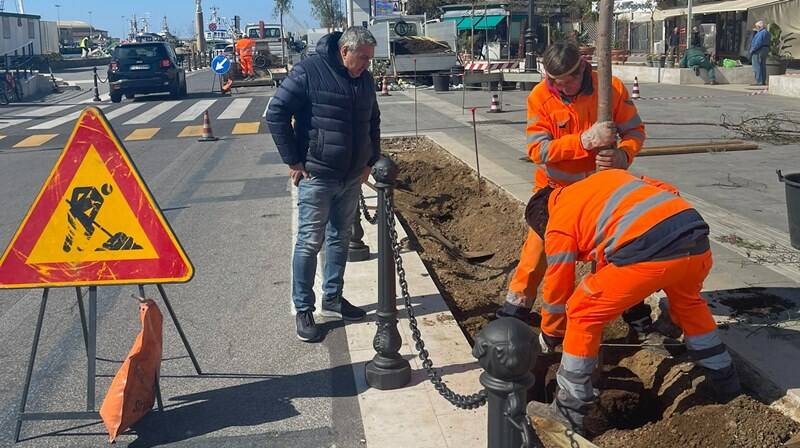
x: 89, y: 328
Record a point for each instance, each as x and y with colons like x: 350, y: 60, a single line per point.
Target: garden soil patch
x: 647, y: 399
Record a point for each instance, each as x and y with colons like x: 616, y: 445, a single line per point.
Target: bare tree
x: 328, y: 12
x: 281, y: 7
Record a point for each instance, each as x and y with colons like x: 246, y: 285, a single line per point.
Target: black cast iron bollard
x: 507, y: 349
x: 357, y: 251
x: 96, y: 90
x: 387, y: 370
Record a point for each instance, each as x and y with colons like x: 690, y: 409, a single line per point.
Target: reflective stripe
x: 543, y: 151
x: 561, y: 257
x: 586, y: 289
x: 576, y: 386
x: 707, y: 341
x: 716, y: 362
x: 578, y: 364
x: 634, y: 133
x: 533, y: 120
x: 534, y: 137
x: 555, y: 173
x: 557, y: 308
x: 611, y: 205
x: 635, y: 213
x: 635, y: 121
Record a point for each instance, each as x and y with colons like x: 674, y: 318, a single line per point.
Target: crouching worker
x: 644, y: 237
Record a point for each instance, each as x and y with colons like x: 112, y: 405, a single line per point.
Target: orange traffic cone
x: 385, y: 88
x: 495, y: 106
x: 635, y: 94
x: 208, y: 136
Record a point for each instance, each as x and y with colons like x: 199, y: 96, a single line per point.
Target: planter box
x: 682, y: 76
x: 785, y: 85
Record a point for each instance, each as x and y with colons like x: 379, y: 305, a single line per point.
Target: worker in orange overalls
x: 245, y: 47
x: 566, y: 142
x: 644, y: 237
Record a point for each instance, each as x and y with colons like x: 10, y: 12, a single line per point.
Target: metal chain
x: 461, y: 401
x: 529, y: 437
x: 370, y: 219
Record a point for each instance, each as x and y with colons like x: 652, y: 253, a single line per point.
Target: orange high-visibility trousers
x: 529, y: 273
x: 246, y: 63
x: 603, y: 296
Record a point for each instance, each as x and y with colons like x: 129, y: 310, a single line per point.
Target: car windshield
x: 139, y: 52
x: 268, y: 33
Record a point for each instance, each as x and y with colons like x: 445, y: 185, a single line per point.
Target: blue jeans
x: 759, y: 61
x: 326, y: 210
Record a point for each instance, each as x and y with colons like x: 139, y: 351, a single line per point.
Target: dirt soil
x: 647, y: 398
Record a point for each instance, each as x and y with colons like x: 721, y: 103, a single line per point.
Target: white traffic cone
x: 495, y: 106
x: 208, y: 135
x: 635, y: 94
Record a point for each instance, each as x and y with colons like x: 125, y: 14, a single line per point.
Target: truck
x: 408, y: 42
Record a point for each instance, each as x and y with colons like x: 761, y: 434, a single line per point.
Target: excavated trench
x: 648, y: 399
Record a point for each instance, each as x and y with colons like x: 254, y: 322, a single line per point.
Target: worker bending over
x: 695, y: 58
x: 644, y: 237
x: 245, y: 47
x: 566, y: 142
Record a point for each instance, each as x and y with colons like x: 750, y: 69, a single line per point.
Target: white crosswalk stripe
x: 152, y: 113
x: 123, y: 110
x: 235, y: 109
x: 194, y: 111
x: 266, y: 108
x: 61, y: 120
x: 37, y: 112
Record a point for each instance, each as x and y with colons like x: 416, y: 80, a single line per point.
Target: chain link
x: 370, y: 219
x: 461, y: 401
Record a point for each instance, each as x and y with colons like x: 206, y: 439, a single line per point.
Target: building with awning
x: 502, y: 25
x: 727, y: 25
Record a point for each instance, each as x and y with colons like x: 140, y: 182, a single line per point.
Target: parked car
x: 141, y: 68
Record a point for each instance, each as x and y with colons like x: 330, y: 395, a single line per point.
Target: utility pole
x: 530, y: 39
x: 689, y: 24
x: 198, y: 27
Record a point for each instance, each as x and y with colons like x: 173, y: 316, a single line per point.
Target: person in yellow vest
x: 85, y: 45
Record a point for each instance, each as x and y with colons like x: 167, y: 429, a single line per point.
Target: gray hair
x: 760, y: 24
x: 356, y: 36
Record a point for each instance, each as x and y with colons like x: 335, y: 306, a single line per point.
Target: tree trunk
x: 603, y: 53
x: 283, y: 43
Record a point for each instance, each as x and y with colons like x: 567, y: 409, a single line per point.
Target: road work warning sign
x: 94, y: 221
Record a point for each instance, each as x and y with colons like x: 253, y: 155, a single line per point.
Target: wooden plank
x: 709, y: 147
x: 558, y: 435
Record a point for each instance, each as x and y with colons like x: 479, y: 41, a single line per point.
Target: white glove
x: 601, y: 134
x: 545, y: 347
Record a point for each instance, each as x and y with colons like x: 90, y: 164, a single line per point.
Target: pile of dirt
x: 742, y: 423
x: 419, y: 45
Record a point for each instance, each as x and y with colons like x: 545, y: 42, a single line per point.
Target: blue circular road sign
x: 220, y: 65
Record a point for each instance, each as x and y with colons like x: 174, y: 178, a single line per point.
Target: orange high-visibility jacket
x: 245, y: 47
x: 591, y: 219
x: 554, y: 131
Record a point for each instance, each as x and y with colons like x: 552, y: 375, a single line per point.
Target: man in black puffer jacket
x: 330, y: 149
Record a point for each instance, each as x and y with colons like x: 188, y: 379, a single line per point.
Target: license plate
x: 140, y: 67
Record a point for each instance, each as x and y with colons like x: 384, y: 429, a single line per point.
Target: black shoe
x: 342, y: 309
x: 307, y: 330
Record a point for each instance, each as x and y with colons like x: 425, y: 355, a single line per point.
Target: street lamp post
x: 58, y: 22
x: 91, y: 29
x: 530, y: 40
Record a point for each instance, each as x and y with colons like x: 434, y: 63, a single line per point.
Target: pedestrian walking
x: 644, y: 237
x: 759, y: 48
x: 330, y: 150
x: 567, y: 145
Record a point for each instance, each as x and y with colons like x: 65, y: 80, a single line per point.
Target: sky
x: 113, y: 15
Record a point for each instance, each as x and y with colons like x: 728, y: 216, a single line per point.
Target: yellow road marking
x: 192, y: 131
x: 250, y: 127
x: 142, y: 134
x: 35, y: 140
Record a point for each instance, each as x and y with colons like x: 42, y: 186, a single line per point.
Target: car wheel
x: 116, y: 97
x: 130, y: 96
x: 175, y: 90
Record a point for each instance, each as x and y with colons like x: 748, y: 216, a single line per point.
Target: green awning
x: 466, y: 24
x: 489, y: 22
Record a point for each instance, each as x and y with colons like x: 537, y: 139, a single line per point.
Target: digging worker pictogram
x: 84, y: 205
x: 567, y: 144
x: 644, y: 237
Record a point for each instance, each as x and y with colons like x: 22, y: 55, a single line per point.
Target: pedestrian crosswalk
x: 140, y: 120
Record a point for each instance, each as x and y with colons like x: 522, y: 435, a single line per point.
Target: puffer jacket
x: 336, y: 132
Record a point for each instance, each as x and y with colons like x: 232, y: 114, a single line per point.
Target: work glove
x: 549, y: 343
x: 511, y: 310
x: 602, y: 134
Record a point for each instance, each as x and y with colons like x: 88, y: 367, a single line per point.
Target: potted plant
x: 584, y: 44
x: 649, y: 59
x: 778, y: 57
x: 671, y: 61
x: 661, y: 60
x: 618, y: 54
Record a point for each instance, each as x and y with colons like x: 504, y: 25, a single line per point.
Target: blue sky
x: 109, y: 14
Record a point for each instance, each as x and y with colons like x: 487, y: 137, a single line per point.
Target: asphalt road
x: 230, y: 205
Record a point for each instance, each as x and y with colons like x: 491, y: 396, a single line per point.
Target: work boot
x: 342, y: 309
x: 307, y: 330
x: 725, y: 383
x: 571, y: 419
